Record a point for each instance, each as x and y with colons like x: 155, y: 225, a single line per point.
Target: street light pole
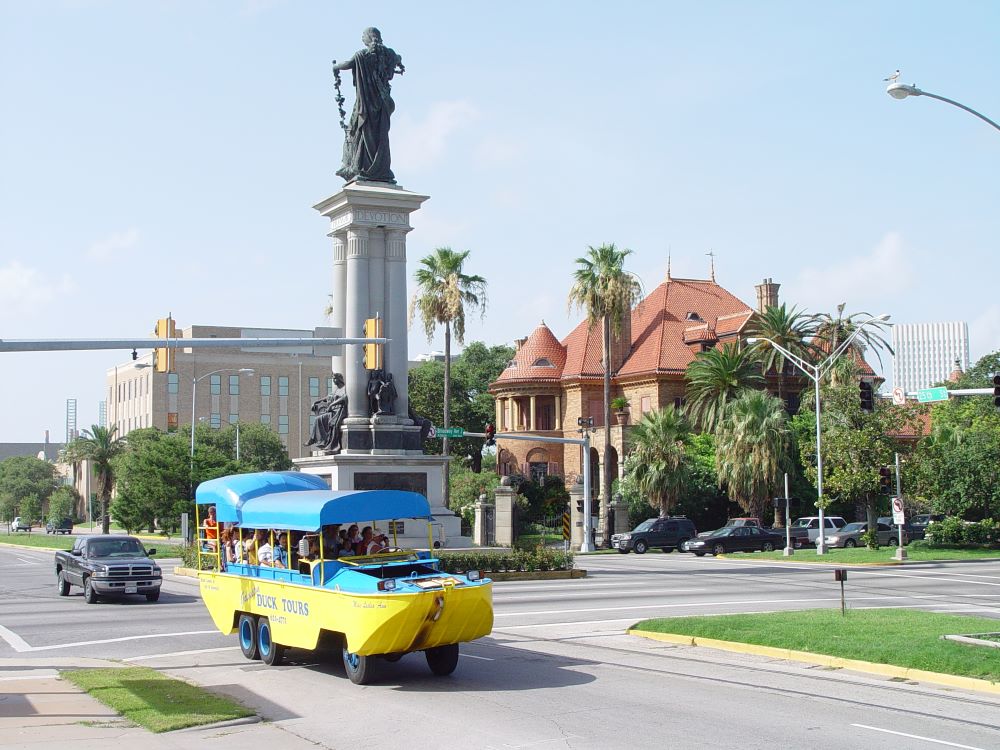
x: 903, y: 90
x: 194, y: 401
x: 815, y: 373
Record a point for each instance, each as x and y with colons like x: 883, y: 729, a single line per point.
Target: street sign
x: 898, y: 396
x: 432, y: 432
x: 450, y: 432
x: 926, y: 395
x: 898, y: 515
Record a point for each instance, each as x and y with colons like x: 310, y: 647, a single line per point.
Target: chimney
x: 767, y: 294
x: 46, y: 437
x: 518, y: 343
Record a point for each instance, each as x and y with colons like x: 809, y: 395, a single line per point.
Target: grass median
x: 901, y: 637
x: 914, y: 553
x: 46, y: 541
x: 155, y: 701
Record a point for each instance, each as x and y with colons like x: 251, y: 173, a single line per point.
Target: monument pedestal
x: 412, y: 473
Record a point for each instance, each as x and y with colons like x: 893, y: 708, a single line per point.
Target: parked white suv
x: 18, y: 525
x: 806, y: 529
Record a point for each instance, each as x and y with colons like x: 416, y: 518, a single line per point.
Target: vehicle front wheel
x: 271, y: 653
x: 248, y: 636
x: 360, y: 669
x: 622, y: 551
x: 699, y: 554
x: 680, y: 543
x: 640, y: 547
x: 443, y: 659
x: 767, y: 547
x: 719, y: 549
x: 89, y: 595
x: 850, y: 543
x: 152, y: 596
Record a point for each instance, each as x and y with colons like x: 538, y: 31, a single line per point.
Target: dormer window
x: 512, y: 364
x: 692, y: 316
x: 543, y: 362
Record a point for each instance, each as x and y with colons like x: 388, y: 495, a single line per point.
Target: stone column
x: 503, y: 529
x: 480, y: 534
x: 558, y: 410
x: 532, y: 424
x: 354, y: 321
x: 397, y: 356
x: 339, y: 293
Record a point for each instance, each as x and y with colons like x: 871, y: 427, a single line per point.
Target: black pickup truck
x: 113, y: 565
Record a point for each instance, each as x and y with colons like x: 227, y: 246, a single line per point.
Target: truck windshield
x: 116, y: 548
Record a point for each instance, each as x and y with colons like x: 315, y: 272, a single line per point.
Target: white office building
x: 925, y: 353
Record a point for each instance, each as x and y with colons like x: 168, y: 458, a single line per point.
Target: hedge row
x: 513, y: 561
x: 956, y: 531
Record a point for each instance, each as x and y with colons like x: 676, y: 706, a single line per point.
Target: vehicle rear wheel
x: 89, y: 595
x: 640, y: 547
x: 767, y: 547
x: 360, y: 669
x: 152, y: 596
x: 248, y: 636
x: 62, y: 585
x: 271, y: 653
x: 893, y: 541
x: 719, y: 549
x: 680, y: 543
x: 393, y: 657
x: 850, y: 543
x: 443, y: 659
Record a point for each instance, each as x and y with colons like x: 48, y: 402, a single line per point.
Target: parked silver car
x: 850, y: 536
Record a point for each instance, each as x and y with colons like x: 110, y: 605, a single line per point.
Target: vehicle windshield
x: 852, y: 527
x: 645, y: 525
x: 116, y: 548
x: 724, y: 531
x: 801, y: 523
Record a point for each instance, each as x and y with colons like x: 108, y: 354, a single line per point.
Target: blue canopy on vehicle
x: 303, y: 502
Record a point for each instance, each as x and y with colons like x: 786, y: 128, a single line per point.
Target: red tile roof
x: 531, y: 360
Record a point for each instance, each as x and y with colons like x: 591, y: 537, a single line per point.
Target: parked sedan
x: 734, y: 539
x: 850, y: 535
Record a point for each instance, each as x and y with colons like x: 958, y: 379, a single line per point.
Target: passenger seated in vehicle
x: 211, y: 529
x: 343, y: 548
x: 265, y: 554
x: 354, y: 540
x: 331, y: 541
x: 280, y: 553
x: 372, y: 544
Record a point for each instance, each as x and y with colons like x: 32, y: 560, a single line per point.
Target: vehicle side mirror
x: 150, y: 553
x: 76, y: 553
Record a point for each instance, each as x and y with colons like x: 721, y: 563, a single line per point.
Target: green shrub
x: 537, y: 559
x: 870, y: 539
x: 947, y: 531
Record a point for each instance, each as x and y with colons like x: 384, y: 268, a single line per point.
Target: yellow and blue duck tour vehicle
x: 377, y: 606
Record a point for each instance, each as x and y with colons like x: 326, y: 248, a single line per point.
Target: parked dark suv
x: 666, y: 533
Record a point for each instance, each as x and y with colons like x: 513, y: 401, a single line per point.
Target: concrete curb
x: 220, y: 725
x: 36, y: 549
x: 540, y: 575
x: 836, y: 662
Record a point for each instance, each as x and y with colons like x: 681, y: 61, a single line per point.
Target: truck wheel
x: 62, y: 585
x: 443, y: 659
x: 640, y: 547
x: 271, y: 653
x: 360, y: 669
x: 89, y: 595
x: 248, y: 636
x: 152, y: 596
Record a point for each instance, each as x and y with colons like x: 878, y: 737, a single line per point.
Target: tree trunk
x: 605, y: 474
x: 105, y: 493
x: 445, y: 447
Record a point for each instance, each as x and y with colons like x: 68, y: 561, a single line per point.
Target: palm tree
x: 658, y: 460
x: 717, y: 377
x: 443, y: 293
x: 753, y: 449
x: 789, y: 329
x: 831, y: 330
x: 99, y: 446
x: 606, y: 291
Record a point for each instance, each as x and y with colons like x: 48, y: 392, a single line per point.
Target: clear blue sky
x: 163, y: 157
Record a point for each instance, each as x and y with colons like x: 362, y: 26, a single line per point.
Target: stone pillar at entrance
x: 503, y: 531
x: 480, y: 535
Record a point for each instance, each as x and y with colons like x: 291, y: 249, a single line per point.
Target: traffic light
x: 373, y: 352
x: 476, y: 462
x: 885, y: 480
x: 586, y: 423
x: 163, y: 357
x: 491, y: 435
x: 996, y: 391
x: 579, y: 505
x: 867, y: 396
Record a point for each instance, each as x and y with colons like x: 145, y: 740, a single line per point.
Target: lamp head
x: 752, y: 340
x: 902, y: 90
x: 883, y: 317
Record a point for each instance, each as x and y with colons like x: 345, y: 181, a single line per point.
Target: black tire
x: 680, y: 543
x: 247, y: 633
x: 667, y: 550
x: 391, y: 658
x: 62, y: 585
x: 850, y: 543
x: 622, y: 551
x: 360, y: 669
x: 271, y: 653
x: 699, y: 554
x: 640, y: 547
x: 152, y: 596
x: 767, y: 547
x: 443, y: 659
x: 719, y: 548
x: 89, y: 595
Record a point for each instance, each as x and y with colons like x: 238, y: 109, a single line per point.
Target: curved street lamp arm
x: 970, y: 110
x: 796, y: 360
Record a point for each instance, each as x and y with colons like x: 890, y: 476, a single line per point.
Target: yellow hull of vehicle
x: 382, y: 623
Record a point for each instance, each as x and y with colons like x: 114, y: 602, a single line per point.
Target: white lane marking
x: 29, y: 562
x: 17, y: 643
x: 182, y: 653
x: 481, y: 658
x: 917, y: 737
x: 563, y: 624
x: 646, y: 592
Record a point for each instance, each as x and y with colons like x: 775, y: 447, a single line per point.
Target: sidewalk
x: 40, y: 710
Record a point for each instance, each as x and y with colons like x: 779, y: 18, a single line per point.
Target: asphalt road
x: 557, y: 670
